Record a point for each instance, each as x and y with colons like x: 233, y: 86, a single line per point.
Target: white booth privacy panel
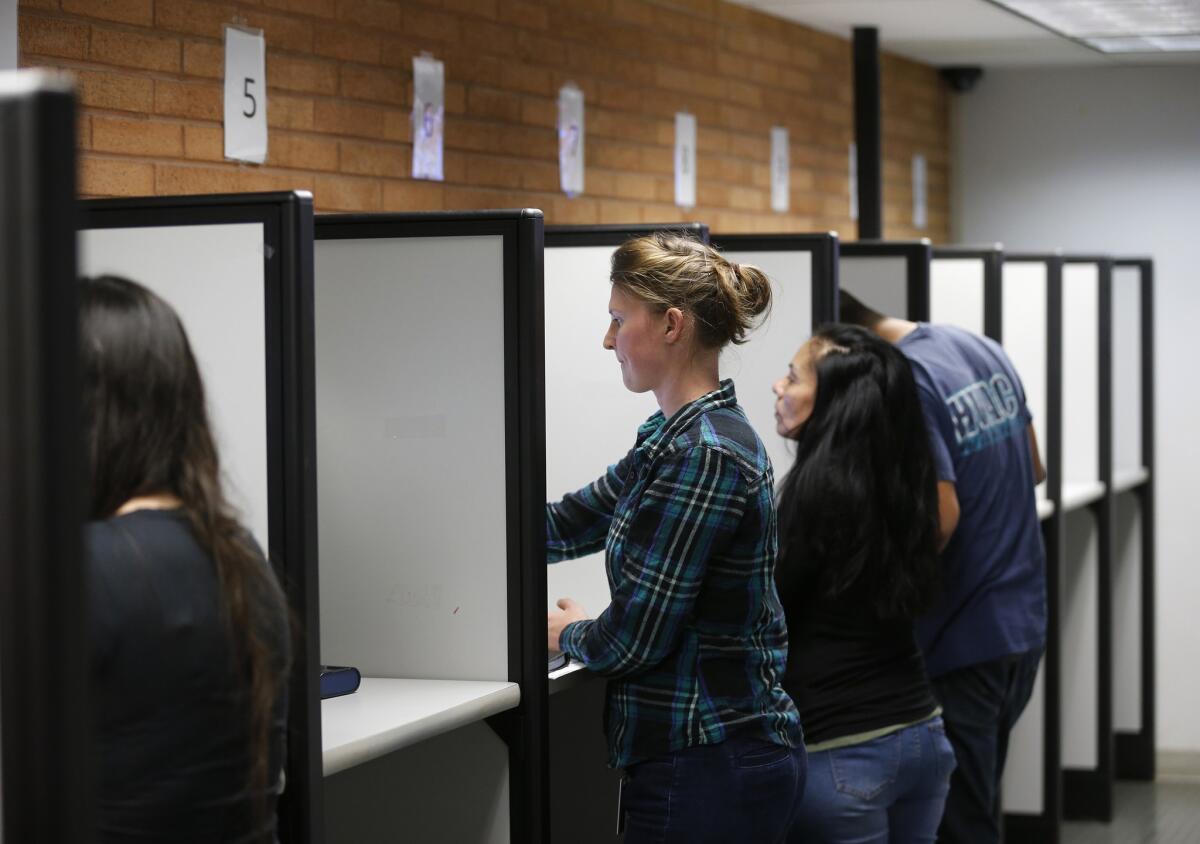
x: 758, y: 363
x: 1024, y: 336
x: 956, y: 292
x: 214, y: 278
x: 1023, y: 788
x: 1081, y: 373
x: 449, y: 789
x: 1127, y: 368
x: 591, y: 418
x: 879, y: 282
x: 1080, y: 621
x: 1127, y: 613
x: 411, y: 491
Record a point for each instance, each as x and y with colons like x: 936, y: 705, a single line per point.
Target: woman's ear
x: 673, y: 330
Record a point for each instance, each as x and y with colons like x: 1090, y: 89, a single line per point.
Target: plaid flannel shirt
x: 694, y: 639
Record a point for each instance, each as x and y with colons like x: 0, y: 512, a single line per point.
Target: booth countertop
x: 1127, y: 479
x: 386, y: 715
x: 1045, y: 509
x: 1076, y: 494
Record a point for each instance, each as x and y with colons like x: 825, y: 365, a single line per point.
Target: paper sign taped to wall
x: 245, y: 94
x: 920, y: 213
x: 853, y: 181
x: 570, y: 139
x: 780, y: 168
x: 685, y: 159
x: 428, y: 116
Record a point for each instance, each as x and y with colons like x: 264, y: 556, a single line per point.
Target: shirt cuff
x: 570, y: 641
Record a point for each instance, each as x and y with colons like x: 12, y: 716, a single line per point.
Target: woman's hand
x: 568, y: 611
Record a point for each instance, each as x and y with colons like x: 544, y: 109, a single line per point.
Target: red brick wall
x: 340, y: 87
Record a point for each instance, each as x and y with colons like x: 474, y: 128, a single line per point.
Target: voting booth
x: 803, y: 273
x: 891, y: 277
x: 591, y: 423
x: 1028, y: 326
x: 1086, y: 570
x: 431, y: 492
x: 964, y: 288
x: 1133, y: 516
x: 45, y: 752
x: 237, y: 269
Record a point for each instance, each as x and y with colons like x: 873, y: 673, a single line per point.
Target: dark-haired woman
x: 693, y: 641
x: 858, y: 561
x: 189, y: 628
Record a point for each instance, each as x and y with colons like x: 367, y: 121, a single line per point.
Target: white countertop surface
x: 386, y: 715
x: 1076, y: 495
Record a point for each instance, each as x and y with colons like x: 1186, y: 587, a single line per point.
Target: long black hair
x: 147, y: 432
x: 858, y: 511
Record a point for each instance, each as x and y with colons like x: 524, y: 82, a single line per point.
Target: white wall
x: 1108, y: 160
x: 8, y: 34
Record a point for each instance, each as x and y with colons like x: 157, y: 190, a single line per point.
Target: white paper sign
x: 428, y: 114
x: 920, y: 219
x: 853, y: 181
x: 685, y: 159
x: 570, y: 139
x: 245, y: 94
x: 780, y: 168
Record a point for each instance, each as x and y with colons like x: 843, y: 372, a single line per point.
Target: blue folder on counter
x: 338, y: 680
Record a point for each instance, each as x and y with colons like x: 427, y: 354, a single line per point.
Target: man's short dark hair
x: 854, y: 312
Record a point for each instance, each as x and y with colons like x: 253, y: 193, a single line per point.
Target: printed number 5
x: 253, y: 103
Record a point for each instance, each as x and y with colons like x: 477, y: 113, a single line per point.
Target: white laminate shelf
x: 1045, y: 509
x: 569, y: 676
x: 386, y: 715
x: 1127, y: 479
x: 1076, y: 495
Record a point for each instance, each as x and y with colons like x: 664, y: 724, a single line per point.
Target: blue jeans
x: 888, y: 790
x: 981, y: 703
x: 739, y: 790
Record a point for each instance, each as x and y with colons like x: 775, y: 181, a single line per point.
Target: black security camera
x: 961, y: 78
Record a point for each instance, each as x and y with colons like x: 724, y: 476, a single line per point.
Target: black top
x: 171, y: 724
x: 850, y: 672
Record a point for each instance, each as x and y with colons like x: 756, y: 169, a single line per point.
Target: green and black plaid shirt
x: 694, y: 638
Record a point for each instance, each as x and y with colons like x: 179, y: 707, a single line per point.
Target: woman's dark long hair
x: 858, y: 511
x: 147, y: 432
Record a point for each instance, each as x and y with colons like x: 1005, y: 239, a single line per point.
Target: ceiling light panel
x: 1088, y: 19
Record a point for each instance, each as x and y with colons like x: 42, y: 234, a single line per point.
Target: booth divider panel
x: 956, y: 292
x: 449, y: 789
x: 1127, y: 614
x: 1127, y: 368
x: 1023, y: 788
x: 757, y: 364
x: 1080, y: 621
x: 411, y: 456
x: 212, y: 275
x: 878, y: 282
x: 591, y: 418
x: 1025, y: 329
x: 1081, y: 368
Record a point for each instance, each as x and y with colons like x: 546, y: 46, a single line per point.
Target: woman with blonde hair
x: 693, y: 642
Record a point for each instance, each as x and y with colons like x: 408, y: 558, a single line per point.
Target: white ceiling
x: 953, y: 32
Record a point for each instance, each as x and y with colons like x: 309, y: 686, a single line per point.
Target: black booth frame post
x: 1044, y: 828
x: 1135, y: 752
x: 48, y: 791
x: 824, y: 250
x: 615, y: 235
x: 524, y: 729
x: 992, y: 259
x: 917, y: 255
x: 287, y: 220
x: 1088, y: 793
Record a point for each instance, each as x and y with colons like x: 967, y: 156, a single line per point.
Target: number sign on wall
x: 245, y: 94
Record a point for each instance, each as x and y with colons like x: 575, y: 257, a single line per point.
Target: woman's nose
x: 777, y: 388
